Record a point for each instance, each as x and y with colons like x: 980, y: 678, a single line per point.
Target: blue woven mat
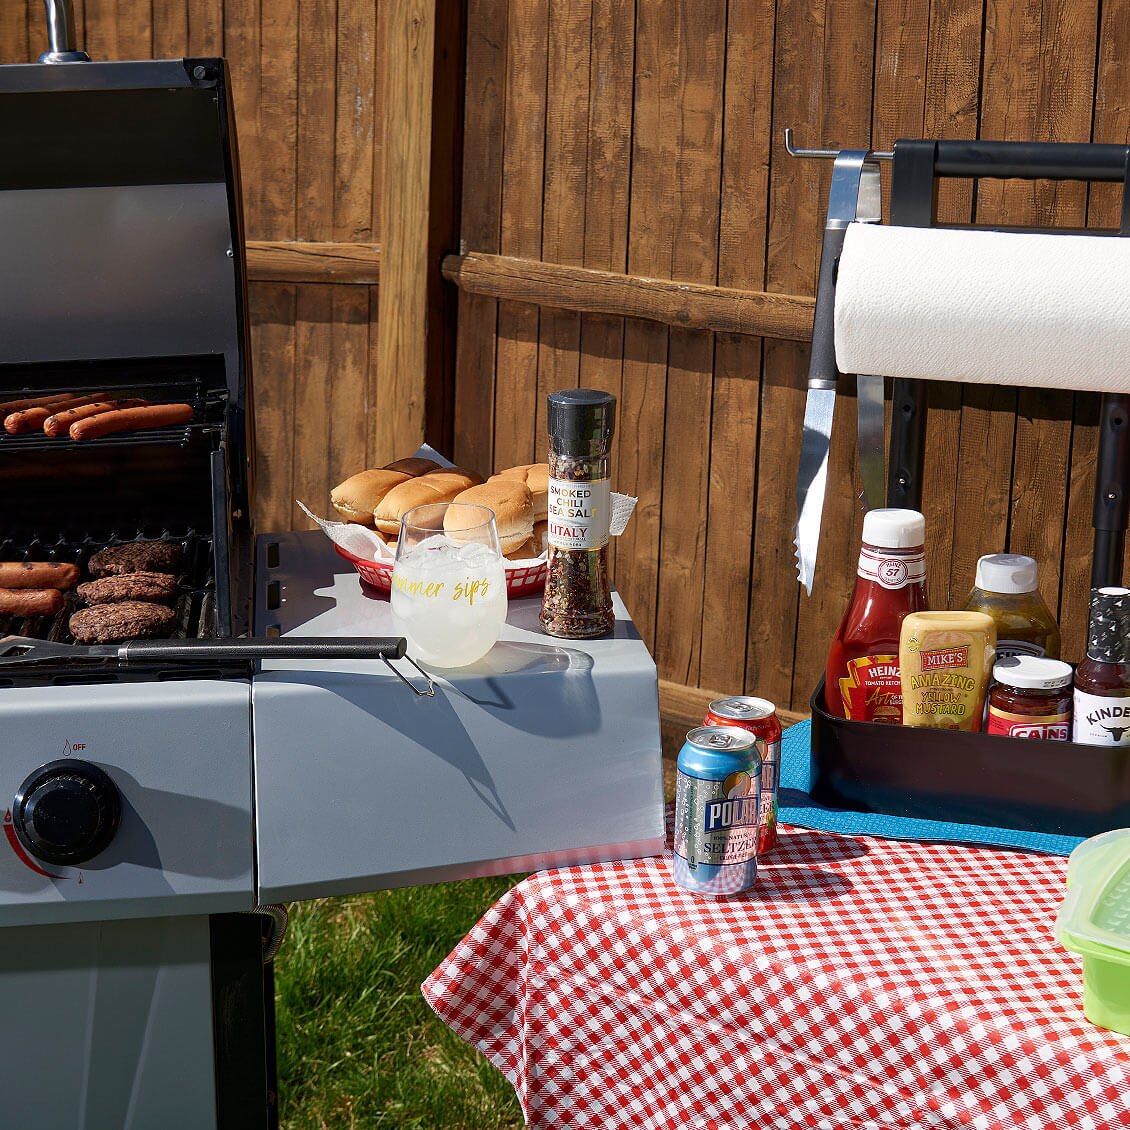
x: 797, y: 807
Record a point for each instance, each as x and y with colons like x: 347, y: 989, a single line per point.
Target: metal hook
x: 824, y: 154
x: 429, y: 693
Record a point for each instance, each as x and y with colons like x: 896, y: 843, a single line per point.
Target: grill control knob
x: 66, y: 812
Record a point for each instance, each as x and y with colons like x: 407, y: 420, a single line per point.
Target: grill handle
x: 291, y: 647
x: 61, y: 36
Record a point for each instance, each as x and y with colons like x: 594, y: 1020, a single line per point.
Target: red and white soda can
x: 759, y: 717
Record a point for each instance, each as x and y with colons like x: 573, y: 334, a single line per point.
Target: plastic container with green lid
x: 1095, y: 921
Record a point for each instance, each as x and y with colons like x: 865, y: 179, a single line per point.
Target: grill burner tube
x: 61, y: 34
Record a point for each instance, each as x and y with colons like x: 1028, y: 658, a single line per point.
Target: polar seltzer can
x: 759, y: 716
x: 717, y: 796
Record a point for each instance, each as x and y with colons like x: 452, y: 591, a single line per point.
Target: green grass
x: 357, y: 1045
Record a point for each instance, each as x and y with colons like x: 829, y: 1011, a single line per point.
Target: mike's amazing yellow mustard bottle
x: 945, y: 660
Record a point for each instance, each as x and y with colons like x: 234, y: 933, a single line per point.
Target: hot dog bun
x: 436, y: 486
x: 513, y: 511
x: 536, y: 478
x: 357, y: 497
x: 413, y: 468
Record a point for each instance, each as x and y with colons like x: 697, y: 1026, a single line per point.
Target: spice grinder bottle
x: 1102, y: 680
x: 578, y: 600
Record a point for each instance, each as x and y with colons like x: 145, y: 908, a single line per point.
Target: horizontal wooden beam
x: 686, y: 706
x: 692, y: 306
x: 313, y: 262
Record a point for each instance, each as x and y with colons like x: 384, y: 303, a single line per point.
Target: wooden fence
x: 612, y: 147
x: 630, y: 221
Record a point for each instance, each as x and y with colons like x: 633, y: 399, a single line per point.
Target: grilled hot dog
x: 131, y: 420
x: 32, y: 419
x: 9, y: 406
x: 59, y: 424
x: 30, y: 602
x: 37, y: 575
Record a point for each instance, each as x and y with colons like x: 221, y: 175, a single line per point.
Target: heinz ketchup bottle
x: 862, y: 679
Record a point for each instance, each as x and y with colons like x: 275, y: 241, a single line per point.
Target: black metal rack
x: 983, y: 778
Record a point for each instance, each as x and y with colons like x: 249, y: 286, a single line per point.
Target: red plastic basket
x: 521, y: 580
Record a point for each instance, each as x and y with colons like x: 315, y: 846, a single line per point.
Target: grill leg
x: 243, y: 1012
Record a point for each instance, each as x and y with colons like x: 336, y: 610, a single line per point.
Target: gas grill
x: 161, y: 798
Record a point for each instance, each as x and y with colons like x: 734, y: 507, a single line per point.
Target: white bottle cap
x: 1030, y: 672
x: 1006, y: 572
x: 894, y: 529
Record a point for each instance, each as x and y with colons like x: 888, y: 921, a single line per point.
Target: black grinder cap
x: 581, y: 421
x: 1108, y: 631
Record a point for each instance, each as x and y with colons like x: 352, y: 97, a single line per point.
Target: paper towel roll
x: 996, y: 307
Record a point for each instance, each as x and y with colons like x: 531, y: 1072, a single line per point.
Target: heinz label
x: 891, y: 572
x: 872, y: 689
x: 579, y: 513
x: 1100, y: 720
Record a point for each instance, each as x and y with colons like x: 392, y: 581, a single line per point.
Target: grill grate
x: 207, y: 405
x: 195, y: 602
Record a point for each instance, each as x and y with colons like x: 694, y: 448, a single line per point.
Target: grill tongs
x: 22, y: 651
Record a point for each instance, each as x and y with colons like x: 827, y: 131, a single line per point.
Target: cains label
x: 579, y: 513
x: 1100, y: 720
x: 872, y: 689
x: 717, y: 822
x: 1046, y: 727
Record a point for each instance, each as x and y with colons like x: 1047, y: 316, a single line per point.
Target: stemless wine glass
x: 448, y: 583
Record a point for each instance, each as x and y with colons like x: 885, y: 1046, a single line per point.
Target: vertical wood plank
x: 480, y: 228
x: 735, y: 414
x: 316, y: 105
x: 563, y: 205
x: 354, y: 122
x: 242, y: 47
x: 694, y: 256
x: 313, y: 381
x: 205, y: 27
x: 170, y: 29
x: 350, y: 407
x: 15, y: 43
x: 650, y: 238
x: 278, y: 119
x: 403, y: 325
x: 273, y: 311
x: 515, y: 393
x: 607, y: 183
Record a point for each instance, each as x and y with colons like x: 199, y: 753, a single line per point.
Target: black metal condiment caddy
x: 980, y: 778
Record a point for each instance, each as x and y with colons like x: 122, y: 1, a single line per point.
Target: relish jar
x: 1031, y: 698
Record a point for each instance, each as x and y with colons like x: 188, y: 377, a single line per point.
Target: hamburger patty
x: 136, y: 557
x: 159, y: 587
x: 113, y: 623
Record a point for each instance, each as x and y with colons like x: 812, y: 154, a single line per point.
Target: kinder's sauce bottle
x: 862, y: 680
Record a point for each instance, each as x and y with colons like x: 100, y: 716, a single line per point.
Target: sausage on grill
x: 132, y: 420
x: 60, y: 422
x: 37, y: 575
x: 9, y: 406
x: 30, y: 602
x: 32, y: 419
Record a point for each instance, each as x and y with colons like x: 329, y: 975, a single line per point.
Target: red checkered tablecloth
x: 862, y: 984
